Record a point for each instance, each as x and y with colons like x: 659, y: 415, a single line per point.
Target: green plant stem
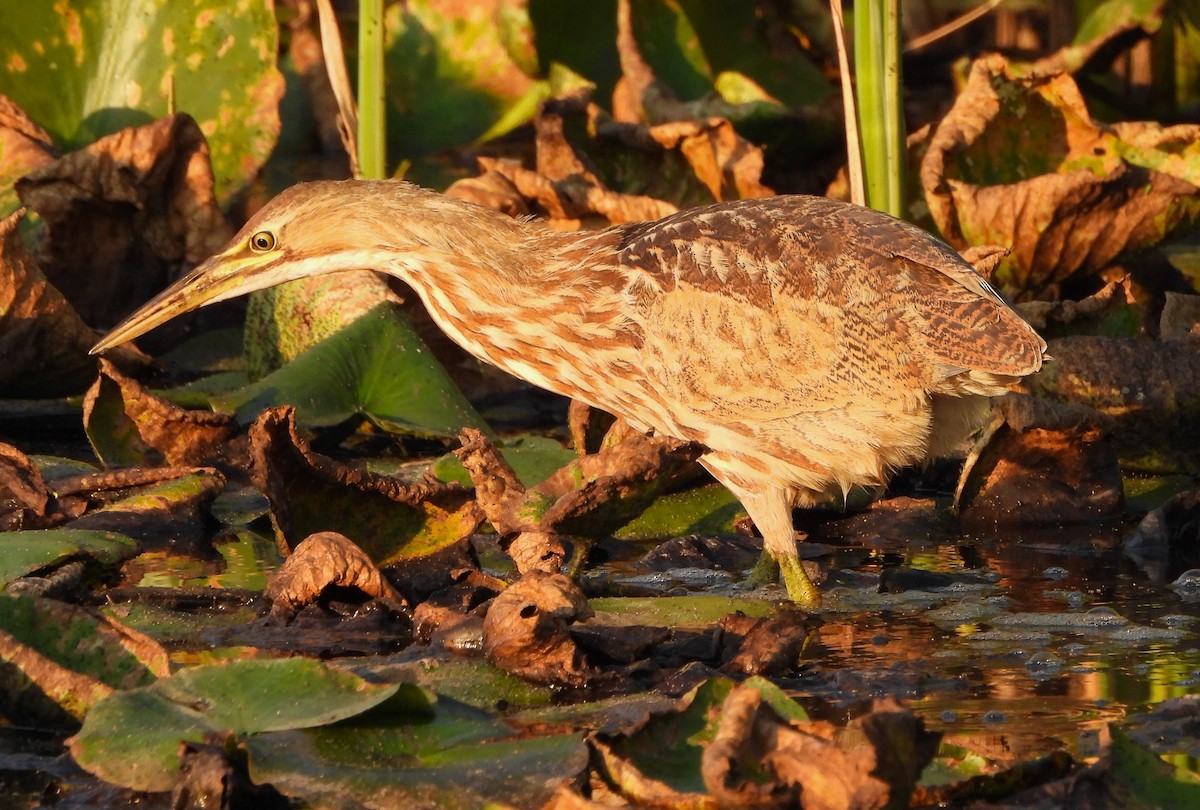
x: 372, y: 132
x: 877, y: 46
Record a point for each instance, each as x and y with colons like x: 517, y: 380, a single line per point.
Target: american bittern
x: 809, y: 345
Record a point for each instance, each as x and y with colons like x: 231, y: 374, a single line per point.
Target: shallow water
x: 1014, y: 644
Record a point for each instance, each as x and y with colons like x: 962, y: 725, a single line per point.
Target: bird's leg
x: 771, y: 511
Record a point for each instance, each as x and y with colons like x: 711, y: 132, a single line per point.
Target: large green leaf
x: 709, y: 510
x: 132, y: 738
x: 403, y: 754
x: 83, y: 70
x: 688, y: 44
x: 22, y: 553
x: 73, y: 638
x: 450, y: 79
x: 376, y: 367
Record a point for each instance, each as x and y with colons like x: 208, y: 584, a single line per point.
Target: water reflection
x: 1071, y: 636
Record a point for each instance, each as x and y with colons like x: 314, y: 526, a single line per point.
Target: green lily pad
x: 472, y: 681
x: 376, y: 367
x: 88, y: 70
x: 23, y: 553
x: 448, y: 755
x: 132, y: 738
x: 709, y: 510
x: 73, y: 638
x: 533, y: 459
x: 674, y: 611
x: 178, y: 627
x: 50, y: 641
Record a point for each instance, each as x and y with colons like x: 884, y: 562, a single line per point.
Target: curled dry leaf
x: 172, y: 511
x: 42, y: 340
x: 590, y: 497
x: 578, y: 176
x: 24, y: 498
x: 536, y: 551
x: 1151, y: 389
x: 1042, y: 314
x: 765, y: 646
x: 1068, y: 197
x: 322, y: 560
x: 24, y: 145
x: 126, y: 215
x: 129, y: 426
x: 389, y: 519
x: 873, y: 763
x: 1054, y: 463
x: 985, y: 258
x: 729, y: 166
x: 525, y: 631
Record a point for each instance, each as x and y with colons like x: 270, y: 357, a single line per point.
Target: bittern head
x: 323, y: 227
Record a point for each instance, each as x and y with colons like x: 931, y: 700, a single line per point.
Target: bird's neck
x: 537, y: 303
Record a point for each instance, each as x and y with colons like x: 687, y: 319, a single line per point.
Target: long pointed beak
x: 222, y: 276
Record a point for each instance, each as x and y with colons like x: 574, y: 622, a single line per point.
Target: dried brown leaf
x: 590, y: 497
x: 1066, y: 201
x: 873, y: 763
x: 126, y: 215
x: 156, y: 430
x: 573, y: 198
x: 767, y: 646
x: 729, y: 165
x: 389, y: 519
x: 21, y: 481
x: 42, y: 340
x: 24, y: 145
x: 985, y: 258
x: 644, y: 790
x: 322, y: 560
x: 525, y: 631
x: 492, y: 189
x: 1041, y: 314
x: 536, y: 551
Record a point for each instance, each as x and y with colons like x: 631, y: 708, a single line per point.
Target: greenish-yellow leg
x: 800, y: 587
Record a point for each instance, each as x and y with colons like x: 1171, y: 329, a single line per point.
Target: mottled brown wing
x: 814, y: 248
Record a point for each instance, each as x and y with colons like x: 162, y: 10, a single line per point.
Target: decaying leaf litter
x: 461, y: 665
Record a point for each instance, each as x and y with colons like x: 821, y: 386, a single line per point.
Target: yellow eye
x: 263, y: 241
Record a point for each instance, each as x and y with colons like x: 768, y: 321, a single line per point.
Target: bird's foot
x: 800, y: 587
x: 764, y: 572
x: 799, y: 584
